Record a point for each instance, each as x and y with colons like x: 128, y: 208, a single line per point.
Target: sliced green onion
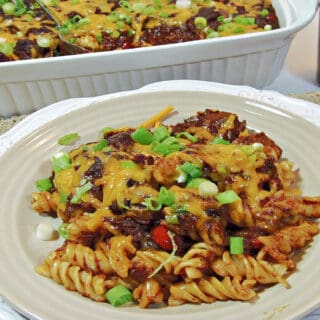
x: 248, y: 149
x: 200, y: 22
x: 166, y: 197
x: 80, y: 192
x: 194, y: 183
x: 6, y: 48
x: 157, y: 4
x: 267, y: 27
x: 149, y: 10
x: 161, y: 133
x: 8, y: 8
x: 99, y: 38
x: 164, y: 148
x: 191, y: 170
x: 172, y: 219
x: 138, y: 7
x: 115, y: 34
x: 244, y: 20
x: 220, y: 18
x: 164, y: 14
x: 68, y: 139
x: 227, y: 197
x: 106, y: 130
x: 124, y: 4
x: 179, y: 208
x: 213, y: 34
x: 128, y: 164
x: 63, y: 198
x: 264, y: 13
x: 218, y: 140
x: 118, y: 295
x: 44, y: 184
x: 238, y: 30
x: 62, y: 230
x: 236, y: 245
x: 187, y: 135
x: 227, y: 20
x: 208, y: 189
x: 100, y: 146
x: 61, y: 161
x: 44, y: 42
x: 120, y: 25
x: 152, y: 204
x: 170, y: 141
x: 142, y: 136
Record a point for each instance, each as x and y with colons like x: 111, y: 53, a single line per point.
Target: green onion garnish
x: 62, y: 230
x: 6, y: 48
x: 236, y: 245
x: 187, y: 135
x: 152, y: 204
x: 194, y: 183
x: 227, y: 197
x: 191, y: 170
x: 166, y: 197
x: 100, y: 145
x: 128, y: 164
x: 164, y: 148
x: 138, y: 7
x: 161, y: 133
x: 164, y: 14
x: 44, y: 42
x: 68, y: 139
x: 264, y: 13
x: 219, y: 140
x: 118, y: 295
x: 220, y: 18
x: 61, y: 161
x: 44, y: 184
x: 80, y: 192
x: 172, y: 219
x: 267, y: 27
x: 238, y: 30
x: 142, y: 136
x: 149, y: 10
x: 213, y: 34
x: 8, y: 8
x: 106, y: 129
x: 63, y: 198
x: 244, y: 20
x: 200, y: 22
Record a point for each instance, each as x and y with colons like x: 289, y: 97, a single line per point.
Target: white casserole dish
x: 250, y: 59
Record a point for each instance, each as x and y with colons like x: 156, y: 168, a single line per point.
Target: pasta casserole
x: 33, y: 29
x: 194, y: 212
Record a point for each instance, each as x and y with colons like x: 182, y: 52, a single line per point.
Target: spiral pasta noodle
x: 210, y: 289
x: 248, y: 267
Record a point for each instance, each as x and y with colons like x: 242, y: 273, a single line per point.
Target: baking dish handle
x: 305, y: 11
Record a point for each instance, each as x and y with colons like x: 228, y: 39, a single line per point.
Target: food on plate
x: 194, y: 212
x: 123, y: 24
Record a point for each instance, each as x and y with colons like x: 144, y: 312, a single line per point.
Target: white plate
x: 26, y: 152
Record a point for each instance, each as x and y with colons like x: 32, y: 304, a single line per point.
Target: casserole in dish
x: 249, y: 59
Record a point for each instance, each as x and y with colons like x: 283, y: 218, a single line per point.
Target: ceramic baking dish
x: 250, y: 59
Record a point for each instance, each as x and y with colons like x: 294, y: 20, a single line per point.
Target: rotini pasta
x: 195, y: 212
